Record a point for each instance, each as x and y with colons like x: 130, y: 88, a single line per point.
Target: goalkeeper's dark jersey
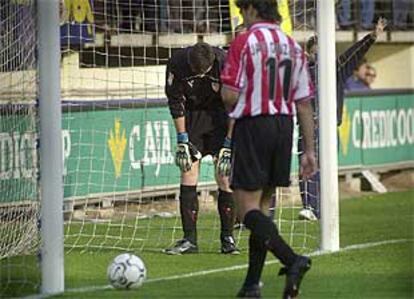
x: 188, y: 92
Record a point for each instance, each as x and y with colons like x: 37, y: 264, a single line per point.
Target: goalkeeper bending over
x: 193, y: 90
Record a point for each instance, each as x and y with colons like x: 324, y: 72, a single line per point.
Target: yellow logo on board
x: 78, y: 11
x: 345, y: 131
x: 117, y: 144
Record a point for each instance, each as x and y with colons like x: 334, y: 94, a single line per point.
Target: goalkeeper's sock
x: 266, y: 233
x: 225, y: 206
x: 189, y: 212
x: 257, y: 257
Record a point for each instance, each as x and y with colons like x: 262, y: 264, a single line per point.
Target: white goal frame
x: 52, y: 262
x: 51, y: 165
x: 328, y: 125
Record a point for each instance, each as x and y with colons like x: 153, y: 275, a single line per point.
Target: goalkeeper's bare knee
x: 190, y: 178
x: 223, y: 183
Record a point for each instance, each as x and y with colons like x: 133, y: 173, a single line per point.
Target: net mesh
x: 120, y: 182
x: 19, y: 199
x: 121, y: 185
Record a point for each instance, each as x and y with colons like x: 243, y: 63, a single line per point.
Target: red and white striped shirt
x: 269, y: 70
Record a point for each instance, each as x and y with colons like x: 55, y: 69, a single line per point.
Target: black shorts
x: 206, y: 130
x: 262, y: 152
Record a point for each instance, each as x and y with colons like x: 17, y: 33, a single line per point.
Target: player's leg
x: 175, y: 16
x: 189, y: 202
x: 400, y: 9
x: 269, y: 208
x: 199, y: 16
x: 216, y: 123
x: 248, y: 204
x: 188, y: 211
x: 250, y: 172
x: 295, y: 265
x: 226, y: 210
x: 367, y: 14
x: 257, y: 248
x: 309, y: 192
x: 312, y: 195
x: 274, y: 242
x: 264, y: 234
x: 188, y: 188
x: 344, y: 14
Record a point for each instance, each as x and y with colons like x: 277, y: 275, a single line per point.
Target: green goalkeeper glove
x: 186, y: 153
x: 224, y: 158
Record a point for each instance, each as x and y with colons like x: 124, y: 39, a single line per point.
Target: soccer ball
x: 127, y: 271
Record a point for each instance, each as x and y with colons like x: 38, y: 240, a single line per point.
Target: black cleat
x: 228, y: 246
x: 252, y: 291
x: 182, y: 247
x: 294, y: 275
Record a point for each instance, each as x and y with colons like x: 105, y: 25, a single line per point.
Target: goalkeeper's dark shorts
x: 262, y: 152
x: 206, y: 130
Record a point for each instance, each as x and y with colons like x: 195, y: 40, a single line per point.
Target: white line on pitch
x: 244, y: 266
x: 233, y: 268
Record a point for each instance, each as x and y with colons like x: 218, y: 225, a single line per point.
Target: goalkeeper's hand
x: 186, y: 153
x: 224, y: 159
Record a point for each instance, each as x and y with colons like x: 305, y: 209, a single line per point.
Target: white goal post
x: 51, y: 168
x: 328, y: 128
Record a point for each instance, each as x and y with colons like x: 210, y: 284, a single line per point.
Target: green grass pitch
x: 375, y: 267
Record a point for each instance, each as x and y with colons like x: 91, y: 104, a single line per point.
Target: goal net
x: 19, y: 192
x: 121, y: 184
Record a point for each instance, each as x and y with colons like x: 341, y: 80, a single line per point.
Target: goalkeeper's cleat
x: 228, y: 246
x: 252, y: 291
x: 182, y: 247
x: 294, y: 275
x: 307, y: 214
